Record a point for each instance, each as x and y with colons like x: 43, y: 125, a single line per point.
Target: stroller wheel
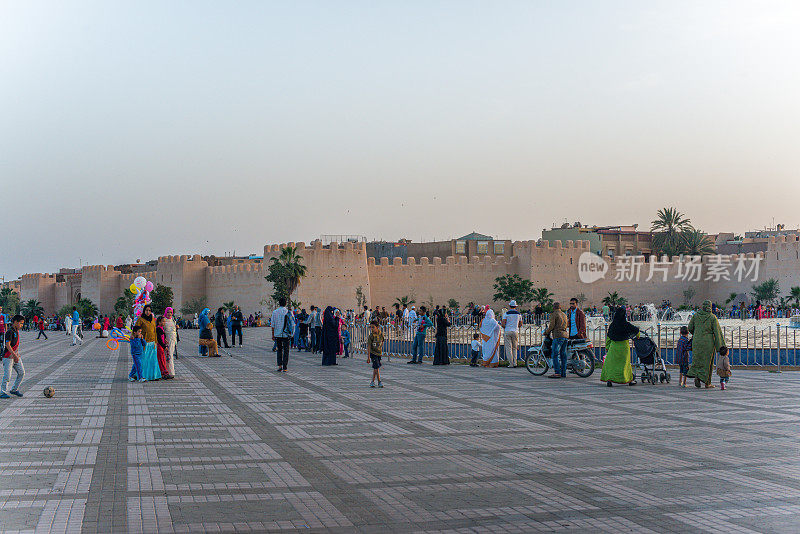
x: 667, y: 379
x: 609, y: 384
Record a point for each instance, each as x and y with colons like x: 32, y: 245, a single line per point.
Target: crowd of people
x: 154, y: 339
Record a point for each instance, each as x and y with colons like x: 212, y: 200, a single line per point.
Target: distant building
x: 771, y: 232
x: 605, y: 240
x: 470, y: 245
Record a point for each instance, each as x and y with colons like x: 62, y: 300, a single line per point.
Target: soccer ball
x: 49, y: 391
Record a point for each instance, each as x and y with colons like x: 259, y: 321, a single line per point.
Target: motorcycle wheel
x: 536, y: 364
x: 584, y: 367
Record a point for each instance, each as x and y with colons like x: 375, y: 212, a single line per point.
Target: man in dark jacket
x: 236, y: 325
x: 219, y: 324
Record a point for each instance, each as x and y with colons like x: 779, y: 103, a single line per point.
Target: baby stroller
x: 650, y: 361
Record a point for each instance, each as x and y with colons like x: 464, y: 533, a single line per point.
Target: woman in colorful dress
x: 617, y: 365
x: 161, y: 348
x: 490, y: 339
x: 150, y: 368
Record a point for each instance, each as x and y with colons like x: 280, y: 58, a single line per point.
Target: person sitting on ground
x: 206, y: 336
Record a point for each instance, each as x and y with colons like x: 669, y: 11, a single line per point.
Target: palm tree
x: 228, y: 306
x: 731, y: 298
x: 542, y: 296
x: 613, y: 300
x: 405, y: 301
x: 668, y: 226
x: 794, y: 294
x: 695, y: 243
x: 285, y: 272
x: 30, y: 308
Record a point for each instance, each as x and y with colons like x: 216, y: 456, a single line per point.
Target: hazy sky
x: 136, y: 129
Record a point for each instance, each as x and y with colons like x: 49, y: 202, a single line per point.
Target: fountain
x: 668, y: 315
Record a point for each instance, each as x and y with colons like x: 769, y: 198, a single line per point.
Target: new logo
x: 591, y: 267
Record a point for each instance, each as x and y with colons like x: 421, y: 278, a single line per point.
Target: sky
x: 136, y: 129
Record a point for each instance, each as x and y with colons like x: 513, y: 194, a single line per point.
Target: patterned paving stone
x: 232, y: 446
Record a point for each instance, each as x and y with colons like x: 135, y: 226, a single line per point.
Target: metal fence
x: 765, y: 347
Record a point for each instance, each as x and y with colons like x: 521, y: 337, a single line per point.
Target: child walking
x: 375, y: 344
x: 137, y: 351
x: 682, y: 349
x: 723, y: 367
x: 41, y: 329
x: 475, y: 349
x: 346, y: 341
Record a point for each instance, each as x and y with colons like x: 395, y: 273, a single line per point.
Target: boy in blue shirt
x: 137, y: 351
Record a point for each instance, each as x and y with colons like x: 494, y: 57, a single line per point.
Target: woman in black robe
x: 440, y: 352
x: 330, y: 337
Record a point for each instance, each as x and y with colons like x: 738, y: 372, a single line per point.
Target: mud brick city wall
x: 335, y: 272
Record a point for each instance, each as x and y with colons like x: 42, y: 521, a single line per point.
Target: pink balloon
x: 137, y: 312
x: 148, y: 286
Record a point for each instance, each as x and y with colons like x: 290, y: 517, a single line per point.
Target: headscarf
x: 204, y: 321
x: 168, y: 312
x: 489, y: 325
x: 620, y: 329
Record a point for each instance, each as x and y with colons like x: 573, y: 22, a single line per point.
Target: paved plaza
x: 232, y: 446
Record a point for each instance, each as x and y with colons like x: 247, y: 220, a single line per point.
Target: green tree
x: 405, y: 301
x: 9, y: 300
x: 766, y: 291
x: 193, y: 306
x: 86, y: 308
x: 513, y: 287
x: 124, y: 304
x: 64, y: 311
x: 161, y: 298
x: 695, y: 243
x: 731, y: 298
x: 542, y: 297
x: 668, y: 226
x: 285, y: 272
x: 794, y: 294
x: 453, y: 305
x: 30, y: 308
x: 613, y: 300
x: 228, y: 306
x: 5, y: 294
